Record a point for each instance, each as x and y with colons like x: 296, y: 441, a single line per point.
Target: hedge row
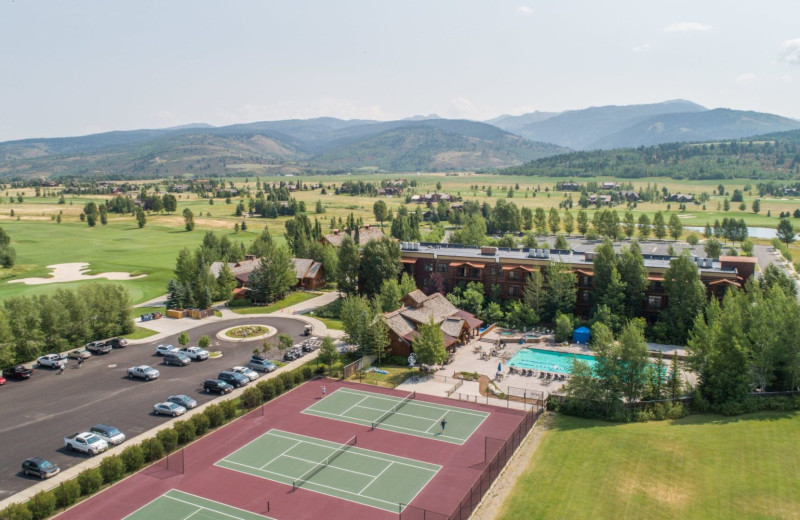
x: 134, y: 457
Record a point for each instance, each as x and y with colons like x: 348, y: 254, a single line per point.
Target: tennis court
x: 344, y: 471
x: 177, y: 505
x: 402, y: 415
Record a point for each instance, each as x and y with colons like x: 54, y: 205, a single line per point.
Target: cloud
x: 641, y: 48
x: 525, y: 9
x: 790, y: 52
x: 687, y: 27
x: 748, y: 77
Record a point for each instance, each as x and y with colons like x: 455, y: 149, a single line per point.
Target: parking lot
x: 40, y: 412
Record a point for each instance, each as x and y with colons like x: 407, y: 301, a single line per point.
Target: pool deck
x: 468, y: 359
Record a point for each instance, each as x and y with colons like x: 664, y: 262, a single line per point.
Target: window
x: 493, y: 271
x: 462, y: 271
x: 475, y: 273
x: 513, y: 290
x: 585, y: 296
x: 442, y: 268
x: 513, y: 275
x: 429, y: 267
x: 654, y: 302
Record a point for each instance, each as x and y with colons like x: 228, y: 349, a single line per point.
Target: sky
x: 77, y: 67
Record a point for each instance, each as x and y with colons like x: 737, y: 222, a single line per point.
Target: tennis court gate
x: 494, y: 465
x: 534, y: 398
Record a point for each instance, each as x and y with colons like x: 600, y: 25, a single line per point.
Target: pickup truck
x: 143, y: 372
x: 98, y: 347
x: 86, y: 442
x: 52, y: 361
x: 195, y: 353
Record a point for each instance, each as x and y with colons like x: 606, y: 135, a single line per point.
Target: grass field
x: 140, y: 333
x: 395, y: 376
x: 293, y: 299
x: 703, y: 466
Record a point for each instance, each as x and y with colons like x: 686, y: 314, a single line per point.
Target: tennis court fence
x: 359, y: 364
x: 497, y: 454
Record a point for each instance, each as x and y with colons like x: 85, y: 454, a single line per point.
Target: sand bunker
x: 74, y: 273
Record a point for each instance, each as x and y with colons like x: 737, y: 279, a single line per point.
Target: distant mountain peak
x: 422, y: 118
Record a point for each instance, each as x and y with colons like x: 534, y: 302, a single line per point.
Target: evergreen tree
x: 273, y: 275
x: 659, y: 227
x: 644, y: 226
x: 225, y: 284
x: 429, y: 344
x: 349, y: 261
x: 686, y: 297
x: 384, y: 264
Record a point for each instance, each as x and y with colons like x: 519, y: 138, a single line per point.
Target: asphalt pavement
x: 40, y: 412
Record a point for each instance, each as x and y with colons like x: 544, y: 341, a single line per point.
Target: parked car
x: 40, y: 467
x: 85, y: 442
x: 2, y: 381
x: 233, y: 379
x: 17, y: 372
x: 307, y: 330
x: 117, y: 342
x: 195, y: 353
x: 167, y: 408
x: 163, y: 349
x: 98, y: 347
x: 143, y: 372
x: 252, y: 375
x: 289, y: 356
x: 183, y: 400
x: 176, y: 358
x: 217, y: 386
x: 261, y: 364
x: 108, y: 433
x: 52, y: 361
x: 80, y: 353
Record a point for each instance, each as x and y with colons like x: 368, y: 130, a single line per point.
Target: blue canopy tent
x: 581, y: 335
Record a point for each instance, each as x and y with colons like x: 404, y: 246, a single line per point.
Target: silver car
x: 251, y: 374
x: 167, y: 408
x: 182, y: 400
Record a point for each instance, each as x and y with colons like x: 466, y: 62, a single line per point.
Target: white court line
x: 375, y: 478
x: 416, y: 402
x: 330, y: 465
x: 428, y: 468
x: 393, y: 427
x: 281, y: 454
x: 437, y: 421
x: 358, y: 403
x: 201, y: 508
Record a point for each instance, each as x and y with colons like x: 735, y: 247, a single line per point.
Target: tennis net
x: 324, y: 463
x: 393, y: 409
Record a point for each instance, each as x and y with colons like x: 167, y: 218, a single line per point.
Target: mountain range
x: 426, y: 143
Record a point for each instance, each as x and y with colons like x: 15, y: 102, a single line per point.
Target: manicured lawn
x: 395, y: 376
x: 292, y: 299
x: 331, y: 323
x: 703, y: 466
x: 140, y: 333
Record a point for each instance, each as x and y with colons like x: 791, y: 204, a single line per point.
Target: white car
x: 163, y: 349
x: 52, y: 361
x: 195, y: 353
x: 143, y: 372
x: 168, y: 408
x: 251, y: 374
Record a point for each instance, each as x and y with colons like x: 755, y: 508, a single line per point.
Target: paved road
x: 39, y: 413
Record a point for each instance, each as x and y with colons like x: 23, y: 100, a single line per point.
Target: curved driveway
x: 39, y: 413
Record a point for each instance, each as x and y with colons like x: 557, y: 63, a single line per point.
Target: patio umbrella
x: 499, y: 367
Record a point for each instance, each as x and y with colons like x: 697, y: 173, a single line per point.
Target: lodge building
x: 503, y: 271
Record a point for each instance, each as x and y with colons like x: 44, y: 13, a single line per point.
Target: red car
x: 2, y: 380
x: 17, y: 372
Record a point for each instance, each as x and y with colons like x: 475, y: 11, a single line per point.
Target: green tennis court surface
x: 344, y: 471
x: 397, y: 414
x: 177, y: 505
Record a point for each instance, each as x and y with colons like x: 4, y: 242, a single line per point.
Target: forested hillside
x: 773, y: 156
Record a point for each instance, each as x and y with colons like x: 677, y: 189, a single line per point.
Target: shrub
x: 112, y: 468
x: 307, y: 372
x: 287, y: 379
x: 216, y: 417
x: 298, y: 378
x: 90, y: 481
x: 16, y: 512
x: 228, y: 409
x: 267, y: 389
x: 168, y: 438
x: 320, y: 370
x: 133, y: 458
x: 152, y: 449
x: 185, y: 431
x: 395, y: 360
x: 240, y: 302
x: 42, y: 505
x: 67, y: 493
x: 251, y: 398
x: 201, y: 423
x: 279, y: 386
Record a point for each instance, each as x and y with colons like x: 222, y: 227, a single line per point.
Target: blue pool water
x: 547, y: 361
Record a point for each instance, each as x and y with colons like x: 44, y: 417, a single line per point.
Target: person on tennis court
x: 323, y: 391
x: 444, y: 423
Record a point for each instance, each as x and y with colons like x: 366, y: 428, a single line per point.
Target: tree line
x: 31, y: 326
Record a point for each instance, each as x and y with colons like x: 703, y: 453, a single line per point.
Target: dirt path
x: 492, y: 504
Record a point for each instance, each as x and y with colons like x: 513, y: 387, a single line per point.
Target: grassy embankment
x: 703, y: 466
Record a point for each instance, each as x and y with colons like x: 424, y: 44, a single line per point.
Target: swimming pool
x: 547, y: 360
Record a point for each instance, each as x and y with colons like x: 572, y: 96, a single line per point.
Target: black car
x: 17, y: 372
x: 234, y: 379
x: 217, y: 386
x: 40, y: 468
x: 290, y: 355
x: 117, y: 342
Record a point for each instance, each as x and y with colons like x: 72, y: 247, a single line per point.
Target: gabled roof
x: 404, y: 321
x: 364, y: 235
